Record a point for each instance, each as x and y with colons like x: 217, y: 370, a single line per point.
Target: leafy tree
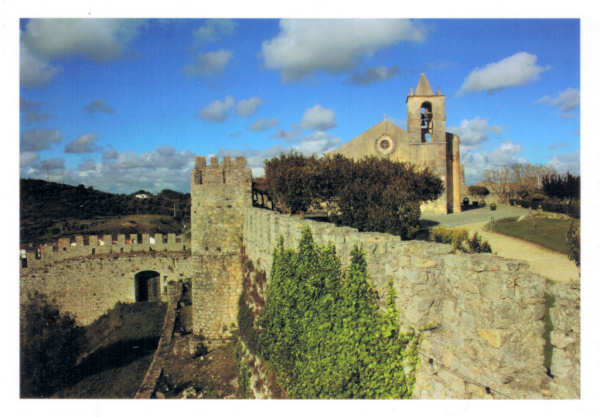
x: 561, y: 186
x: 50, y: 344
x: 478, y: 191
x: 372, y: 194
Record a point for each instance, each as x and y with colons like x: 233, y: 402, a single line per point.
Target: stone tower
x: 433, y: 147
x: 426, y: 114
x: 219, y: 194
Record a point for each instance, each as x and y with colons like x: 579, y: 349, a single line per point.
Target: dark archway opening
x: 147, y: 286
x: 426, y: 122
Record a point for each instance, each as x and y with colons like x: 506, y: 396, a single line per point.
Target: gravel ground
x: 545, y: 262
x: 475, y: 215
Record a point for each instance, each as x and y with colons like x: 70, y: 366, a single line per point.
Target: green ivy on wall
x: 323, y: 330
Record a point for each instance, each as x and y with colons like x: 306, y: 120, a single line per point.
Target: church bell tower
x: 426, y: 114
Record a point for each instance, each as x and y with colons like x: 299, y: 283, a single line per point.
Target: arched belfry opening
x: 147, y: 286
x: 426, y: 121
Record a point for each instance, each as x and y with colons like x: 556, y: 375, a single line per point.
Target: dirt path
x: 547, y: 263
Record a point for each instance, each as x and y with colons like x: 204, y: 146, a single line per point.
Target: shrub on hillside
x: 50, y: 344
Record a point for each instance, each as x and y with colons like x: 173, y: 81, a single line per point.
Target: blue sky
x: 123, y: 104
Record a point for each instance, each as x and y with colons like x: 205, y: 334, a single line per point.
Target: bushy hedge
x: 324, y: 332
x: 573, y: 242
x: 478, y: 191
x: 562, y: 186
x: 372, y: 194
x: 459, y: 238
x: 571, y: 208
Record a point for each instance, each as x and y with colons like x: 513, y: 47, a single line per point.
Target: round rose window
x: 384, y: 145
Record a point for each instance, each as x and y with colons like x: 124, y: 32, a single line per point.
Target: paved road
x: 545, y: 262
x: 475, y: 216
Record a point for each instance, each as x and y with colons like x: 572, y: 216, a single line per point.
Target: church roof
x: 423, y: 87
x: 364, y: 144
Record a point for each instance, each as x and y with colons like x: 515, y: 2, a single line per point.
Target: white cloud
x: 334, y: 45
x: 83, y: 144
x: 287, y: 135
x: 28, y: 158
x: 125, y: 172
x: 31, y: 110
x: 39, y: 139
x: 317, y: 143
x: 567, y: 101
x: 99, y: 106
x: 35, y: 71
x: 518, y: 69
x: 318, y: 118
x: 98, y: 39
x: 566, y: 162
x: 474, y: 132
x: 214, y: 29
x: 52, y: 165
x: 248, y: 107
x: 209, y: 63
x: 263, y: 124
x: 373, y: 74
x: 88, y: 165
x: 110, y: 154
x: 477, y: 162
x: 217, y: 111
x: 43, y: 40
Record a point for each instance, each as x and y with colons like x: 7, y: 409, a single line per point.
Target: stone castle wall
x: 220, y: 192
x: 88, y: 286
x: 483, y: 315
x: 90, y: 245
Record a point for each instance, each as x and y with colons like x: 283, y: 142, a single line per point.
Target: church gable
x: 380, y: 140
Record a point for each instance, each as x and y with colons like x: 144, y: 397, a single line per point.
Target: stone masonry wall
x: 80, y: 245
x: 220, y: 192
x: 89, y: 286
x: 565, y: 339
x: 482, y: 316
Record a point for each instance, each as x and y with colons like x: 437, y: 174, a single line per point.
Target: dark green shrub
x: 459, y: 238
x: 562, y: 186
x: 372, y: 194
x: 51, y: 342
x: 573, y: 242
x: 482, y: 203
x: 493, y: 206
x: 476, y: 245
x: 478, y: 191
x: 290, y: 181
x: 475, y: 204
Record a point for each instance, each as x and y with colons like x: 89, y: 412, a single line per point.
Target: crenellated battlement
x: 229, y: 171
x: 90, y: 245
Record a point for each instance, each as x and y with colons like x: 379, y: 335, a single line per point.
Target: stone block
x: 494, y: 337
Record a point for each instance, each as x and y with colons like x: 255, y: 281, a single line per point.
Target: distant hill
x: 48, y: 206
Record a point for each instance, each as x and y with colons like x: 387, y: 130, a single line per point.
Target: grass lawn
x: 550, y: 233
